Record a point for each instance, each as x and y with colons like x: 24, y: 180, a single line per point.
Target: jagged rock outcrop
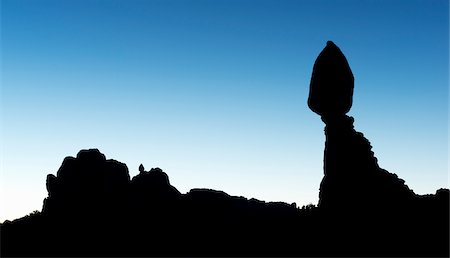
x: 85, y: 185
x: 153, y: 198
x: 153, y: 185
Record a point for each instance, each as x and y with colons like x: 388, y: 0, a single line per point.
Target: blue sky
x: 214, y: 92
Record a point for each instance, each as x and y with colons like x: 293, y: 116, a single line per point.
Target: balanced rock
x: 331, y: 88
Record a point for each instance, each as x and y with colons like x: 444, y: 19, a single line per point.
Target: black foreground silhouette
x: 94, y: 209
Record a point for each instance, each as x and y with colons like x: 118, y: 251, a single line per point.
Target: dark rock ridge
x: 94, y: 209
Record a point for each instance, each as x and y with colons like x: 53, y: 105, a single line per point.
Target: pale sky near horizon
x: 214, y: 91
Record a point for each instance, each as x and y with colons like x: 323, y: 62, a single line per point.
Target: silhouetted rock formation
x: 94, y: 209
x: 355, y: 190
x: 85, y: 185
x: 331, y: 88
x: 351, y: 171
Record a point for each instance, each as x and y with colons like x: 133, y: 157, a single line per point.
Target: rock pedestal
x: 352, y: 175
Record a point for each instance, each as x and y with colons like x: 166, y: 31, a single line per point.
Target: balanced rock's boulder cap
x: 332, y: 82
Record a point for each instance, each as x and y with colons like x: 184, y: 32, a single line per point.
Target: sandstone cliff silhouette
x: 93, y: 208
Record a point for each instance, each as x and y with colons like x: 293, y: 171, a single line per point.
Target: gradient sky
x: 214, y: 92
